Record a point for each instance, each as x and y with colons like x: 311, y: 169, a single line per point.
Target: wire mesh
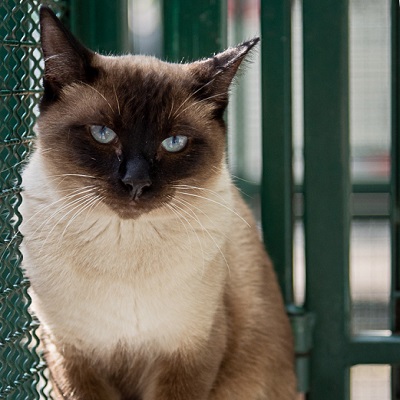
x: 22, y: 370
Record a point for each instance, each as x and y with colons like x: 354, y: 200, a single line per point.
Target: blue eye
x: 174, y: 144
x: 102, y: 134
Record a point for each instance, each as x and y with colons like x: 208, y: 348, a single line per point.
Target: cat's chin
x: 134, y: 212
x: 129, y: 215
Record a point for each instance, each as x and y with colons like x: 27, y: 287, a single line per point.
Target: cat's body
x: 153, y: 291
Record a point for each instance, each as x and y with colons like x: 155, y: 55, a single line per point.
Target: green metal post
x: 395, y: 189
x: 238, y: 99
x: 194, y: 29
x: 277, y: 181
x: 366, y: 349
x: 277, y: 178
x: 327, y: 193
x: 102, y: 25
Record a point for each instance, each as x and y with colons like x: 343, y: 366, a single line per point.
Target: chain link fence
x: 22, y: 370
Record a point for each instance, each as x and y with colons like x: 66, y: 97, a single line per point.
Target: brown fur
x: 248, y: 352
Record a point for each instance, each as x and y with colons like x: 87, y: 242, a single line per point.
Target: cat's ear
x: 214, y: 75
x: 66, y: 59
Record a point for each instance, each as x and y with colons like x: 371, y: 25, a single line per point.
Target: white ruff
x: 152, y: 284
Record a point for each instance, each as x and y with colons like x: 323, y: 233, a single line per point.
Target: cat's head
x: 131, y: 128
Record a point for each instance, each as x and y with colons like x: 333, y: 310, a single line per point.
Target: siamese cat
x: 146, y: 268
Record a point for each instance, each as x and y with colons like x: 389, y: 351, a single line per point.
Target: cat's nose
x: 135, y: 176
x: 135, y: 188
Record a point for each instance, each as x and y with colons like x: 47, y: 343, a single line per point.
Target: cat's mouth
x: 131, y: 206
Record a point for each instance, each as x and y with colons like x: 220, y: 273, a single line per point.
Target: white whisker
x: 73, y: 194
x: 194, y: 216
x: 198, y: 102
x: 116, y: 98
x: 218, y: 203
x: 192, y: 95
x: 216, y: 194
x: 189, y: 205
x: 172, y: 108
x: 102, y: 95
x: 14, y: 165
x: 183, y: 224
x: 79, y: 175
x: 194, y: 230
x: 63, y: 207
x: 78, y: 203
x: 95, y: 199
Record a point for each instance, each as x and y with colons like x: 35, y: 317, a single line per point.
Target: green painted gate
x: 326, y: 347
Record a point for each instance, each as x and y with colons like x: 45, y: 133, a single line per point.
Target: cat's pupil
x: 102, y: 133
x: 174, y: 144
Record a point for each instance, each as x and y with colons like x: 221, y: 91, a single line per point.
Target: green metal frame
x: 236, y: 103
x: 326, y: 189
x: 277, y: 177
x: 277, y: 186
x: 327, y: 193
x: 395, y: 191
x: 194, y: 29
x: 102, y: 25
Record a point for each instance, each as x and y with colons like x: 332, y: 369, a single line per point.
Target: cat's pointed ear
x: 66, y: 59
x: 214, y: 75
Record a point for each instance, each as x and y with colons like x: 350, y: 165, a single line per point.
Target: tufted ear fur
x: 66, y: 59
x: 214, y: 75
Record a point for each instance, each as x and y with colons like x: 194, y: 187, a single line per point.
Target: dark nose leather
x: 136, y: 188
x: 136, y: 177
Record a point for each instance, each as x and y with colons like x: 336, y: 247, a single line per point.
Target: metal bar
x: 395, y: 192
x: 237, y: 101
x: 374, y: 350
x: 371, y: 188
x: 19, y: 92
x: 14, y: 142
x: 10, y: 192
x: 102, y: 25
x: 194, y: 30
x: 327, y: 193
x: 395, y: 168
x: 16, y: 43
x: 277, y: 180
